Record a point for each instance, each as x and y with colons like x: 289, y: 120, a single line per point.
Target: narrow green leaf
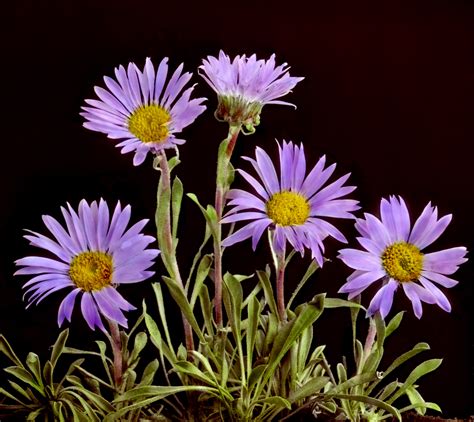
x: 72, y: 367
x: 23, y: 375
x: 369, y: 400
x: 157, y: 340
x: 206, y: 308
x: 291, y: 331
x: 162, y: 312
x: 58, y: 347
x: 140, y: 342
x: 304, y: 347
x: 48, y: 374
x: 12, y: 397
x: 149, y: 373
x: 35, y: 413
x: 233, y: 296
x: 424, y: 405
x: 96, y: 400
x: 388, y: 390
x: 394, y: 323
x: 341, y: 373
x: 192, y: 370
x: 251, y: 334
x: 277, y: 401
x: 176, y: 198
x: 332, y: 302
x: 21, y: 390
x: 416, y: 399
x: 422, y: 369
x: 182, y: 301
x: 420, y: 347
x: 159, y: 392
x: 380, y: 326
x: 311, y: 388
x: 201, y: 274
x: 7, y: 350
x: 256, y: 375
x: 268, y: 291
x: 212, y: 224
x: 309, y: 272
x: 33, y: 363
x: 352, y: 382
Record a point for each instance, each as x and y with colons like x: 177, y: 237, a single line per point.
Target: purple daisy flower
x: 245, y: 85
x: 142, y: 109
x: 292, y: 205
x: 93, y: 256
x: 393, y: 254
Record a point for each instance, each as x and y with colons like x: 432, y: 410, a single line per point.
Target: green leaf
x: 58, y: 347
x: 251, y: 334
x: 206, y: 308
x: 388, y: 390
x: 157, y: 340
x: 7, y: 350
x: 192, y: 370
x: 394, y: 323
x: 21, y: 390
x: 72, y: 367
x: 255, y: 375
x: 233, y: 296
x: 179, y: 297
x: 341, y: 373
x: 291, y: 331
x: 201, y: 274
x: 176, y: 198
x: 33, y: 363
x: 35, y: 413
x: 210, y: 217
x: 276, y: 401
x: 268, y: 291
x: 309, y: 272
x: 369, y: 400
x: 380, y: 327
x: 332, y: 302
x: 149, y: 373
x: 415, y: 398
x: 162, y: 312
x: 159, y: 392
x: 23, y: 375
x: 311, y: 388
x: 424, y: 405
x: 48, y: 374
x: 304, y: 347
x: 140, y: 342
x: 420, y: 347
x: 422, y: 369
x: 12, y: 397
x: 352, y: 382
x: 95, y: 399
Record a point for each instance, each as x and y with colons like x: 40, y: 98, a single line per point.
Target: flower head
x: 144, y: 110
x: 393, y: 254
x: 244, y: 85
x: 292, y: 205
x: 93, y: 255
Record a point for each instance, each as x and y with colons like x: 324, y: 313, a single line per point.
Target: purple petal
x: 360, y: 260
x: 67, y: 306
x: 109, y: 309
x: 90, y: 313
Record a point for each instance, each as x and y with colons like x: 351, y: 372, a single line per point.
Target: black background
x: 388, y: 95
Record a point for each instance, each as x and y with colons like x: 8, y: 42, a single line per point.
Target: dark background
x: 388, y: 95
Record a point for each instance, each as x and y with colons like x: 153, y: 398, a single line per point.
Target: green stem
x: 168, y: 248
x: 222, y: 186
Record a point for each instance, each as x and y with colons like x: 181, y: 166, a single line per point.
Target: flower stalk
x: 223, y: 181
x: 116, y: 343
x: 165, y: 238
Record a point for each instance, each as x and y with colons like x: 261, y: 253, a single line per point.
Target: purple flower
x: 292, y: 205
x: 93, y: 255
x: 393, y: 254
x: 244, y: 85
x: 142, y: 109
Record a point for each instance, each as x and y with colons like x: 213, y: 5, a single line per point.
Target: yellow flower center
x: 91, y: 270
x: 149, y: 123
x: 288, y: 208
x: 402, y: 261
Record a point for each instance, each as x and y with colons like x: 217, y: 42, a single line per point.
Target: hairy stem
x: 369, y: 342
x: 222, y: 186
x: 116, y: 343
x: 168, y: 249
x: 280, y: 285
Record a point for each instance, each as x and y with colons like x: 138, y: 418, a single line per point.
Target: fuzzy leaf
x: 268, y: 291
x: 310, y: 388
x: 176, y: 198
x: 149, y: 373
x: 394, y: 323
x: 58, y: 347
x: 201, y: 274
x: 7, y: 350
x: 140, y: 342
x: 182, y: 301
